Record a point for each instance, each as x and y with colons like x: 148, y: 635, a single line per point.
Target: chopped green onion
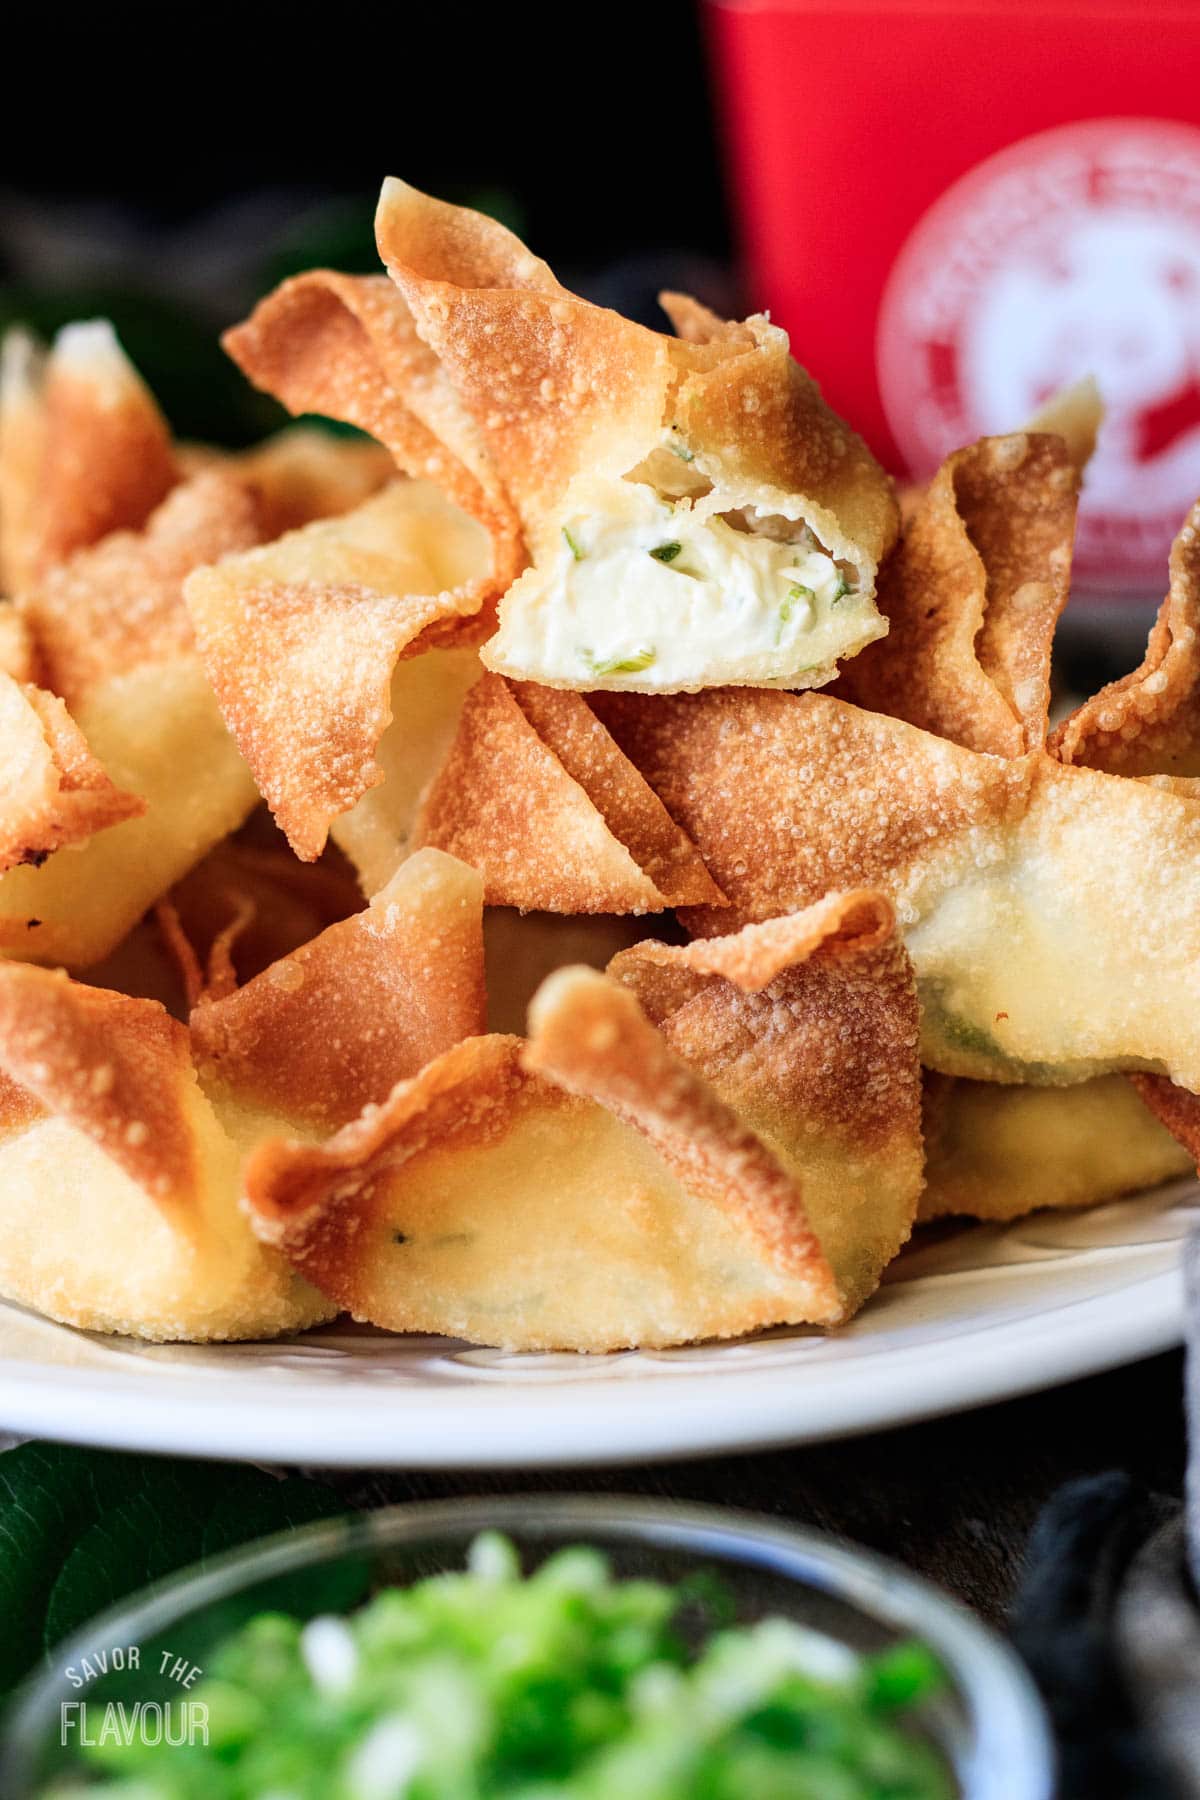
x: 681, y: 450
x: 841, y: 590
x: 620, y: 665
x: 801, y: 593
x: 666, y: 553
x: 572, y: 546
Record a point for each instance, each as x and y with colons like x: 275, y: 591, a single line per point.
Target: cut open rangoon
x: 696, y: 514
x: 698, y: 1164
x: 123, y: 1133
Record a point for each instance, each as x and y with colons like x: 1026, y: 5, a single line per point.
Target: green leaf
x: 81, y: 1530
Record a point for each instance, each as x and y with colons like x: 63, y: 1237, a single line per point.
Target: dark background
x: 168, y: 165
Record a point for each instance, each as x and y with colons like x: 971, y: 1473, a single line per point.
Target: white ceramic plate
x: 978, y: 1315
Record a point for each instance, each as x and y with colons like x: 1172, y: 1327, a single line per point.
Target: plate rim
x: 653, y: 1418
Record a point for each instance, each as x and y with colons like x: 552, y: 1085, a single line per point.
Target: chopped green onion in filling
x: 572, y: 545
x: 666, y: 553
x: 620, y: 665
x: 841, y: 590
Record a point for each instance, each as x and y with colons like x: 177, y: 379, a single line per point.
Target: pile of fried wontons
x: 673, y: 892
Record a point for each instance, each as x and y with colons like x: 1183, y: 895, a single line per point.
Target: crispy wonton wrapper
x: 972, y: 596
x: 84, y: 449
x: 113, y: 642
x: 695, y: 1165
x: 1052, y: 913
x: 1148, y: 723
x: 655, y: 476
x: 994, y: 1152
x: 300, y: 639
x: 536, y: 794
x: 347, y: 346
x: 58, y: 792
x: 122, y: 1134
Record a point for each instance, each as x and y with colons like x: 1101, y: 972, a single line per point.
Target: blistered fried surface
x: 347, y: 346
x: 1051, y: 913
x: 55, y: 791
x: 620, y: 1181
x: 119, y: 606
x: 114, y: 1067
x: 300, y: 640
x: 557, y: 819
x: 84, y: 450
x: 1148, y: 723
x: 333, y: 1026
x: 559, y: 386
x: 972, y: 596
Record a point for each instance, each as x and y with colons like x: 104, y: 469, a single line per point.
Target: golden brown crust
x: 560, y: 386
x: 115, y: 1068
x: 554, y: 383
x: 972, y: 596
x: 840, y: 797
x: 300, y: 638
x: 592, y: 1038
x: 556, y: 819
x: 119, y: 605
x: 756, y: 1014
x: 347, y: 346
x: 1148, y: 723
x: 56, y: 791
x: 300, y: 1194
x: 84, y: 450
x: 333, y: 1026
x: 16, y: 646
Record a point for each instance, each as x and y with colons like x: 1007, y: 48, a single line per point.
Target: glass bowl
x: 989, y: 1725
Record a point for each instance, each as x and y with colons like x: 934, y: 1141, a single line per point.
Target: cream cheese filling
x: 647, y: 592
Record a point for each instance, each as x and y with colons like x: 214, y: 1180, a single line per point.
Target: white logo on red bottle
x: 1071, y: 253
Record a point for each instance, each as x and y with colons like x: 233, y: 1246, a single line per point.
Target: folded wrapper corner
x: 696, y: 514
x: 1052, y: 913
x: 346, y: 346
x: 112, y: 645
x: 706, y: 1141
x: 536, y: 794
x: 123, y: 1133
x: 84, y: 449
x: 972, y: 595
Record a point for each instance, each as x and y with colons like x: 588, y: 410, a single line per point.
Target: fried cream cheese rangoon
x: 706, y: 1140
x: 1052, y: 913
x: 995, y: 1152
x: 120, y: 751
x: 373, y: 622
x: 535, y: 793
x: 305, y: 639
x: 84, y: 449
x: 695, y: 514
x: 123, y: 1133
